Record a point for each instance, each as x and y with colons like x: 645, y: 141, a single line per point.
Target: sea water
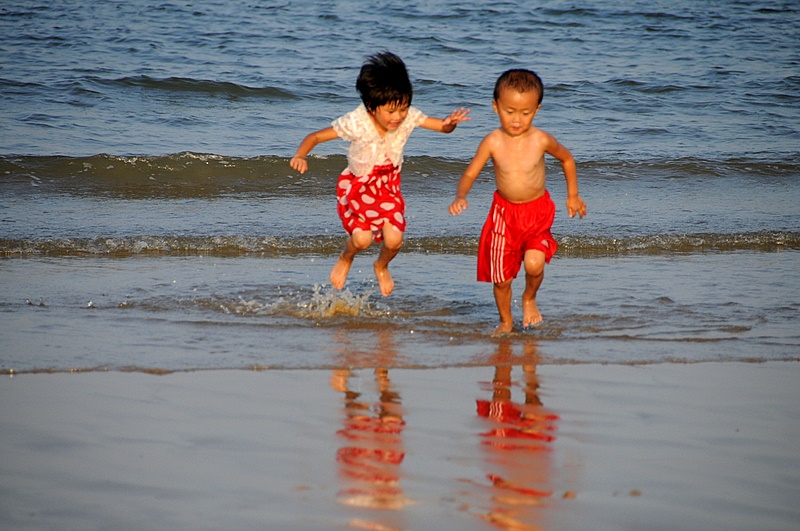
x: 149, y: 218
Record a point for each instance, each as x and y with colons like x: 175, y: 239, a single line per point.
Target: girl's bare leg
x: 534, y: 275
x: 356, y: 243
x: 502, y: 297
x: 392, y: 241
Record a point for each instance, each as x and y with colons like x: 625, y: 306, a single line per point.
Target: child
x: 370, y: 203
x: 517, y: 228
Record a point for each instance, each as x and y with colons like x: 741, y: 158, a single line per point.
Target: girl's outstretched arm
x: 299, y: 162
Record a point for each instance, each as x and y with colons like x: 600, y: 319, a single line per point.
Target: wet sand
x: 666, y: 446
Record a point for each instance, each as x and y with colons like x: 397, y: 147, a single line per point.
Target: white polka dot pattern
x: 373, y: 204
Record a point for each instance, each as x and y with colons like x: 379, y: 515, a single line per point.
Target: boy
x: 370, y: 203
x: 517, y: 229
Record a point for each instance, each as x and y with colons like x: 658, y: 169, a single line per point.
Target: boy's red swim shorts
x: 509, y: 231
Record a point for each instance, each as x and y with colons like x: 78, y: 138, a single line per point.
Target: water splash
x: 333, y: 303
x: 321, y: 303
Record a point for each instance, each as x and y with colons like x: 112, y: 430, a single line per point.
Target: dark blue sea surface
x: 624, y: 80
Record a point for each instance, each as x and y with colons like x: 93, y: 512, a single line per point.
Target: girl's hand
x: 299, y: 164
x: 455, y: 118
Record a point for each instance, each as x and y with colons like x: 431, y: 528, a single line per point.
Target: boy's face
x: 516, y: 110
x: 388, y: 117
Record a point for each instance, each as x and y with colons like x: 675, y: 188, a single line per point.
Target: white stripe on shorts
x: 498, y: 244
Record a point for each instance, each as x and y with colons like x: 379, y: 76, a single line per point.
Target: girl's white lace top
x: 367, y: 147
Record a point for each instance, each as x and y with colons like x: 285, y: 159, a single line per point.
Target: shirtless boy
x: 517, y: 229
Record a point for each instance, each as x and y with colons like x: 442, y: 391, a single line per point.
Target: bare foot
x: 340, y: 271
x: 385, y: 280
x: 530, y: 313
x: 503, y: 328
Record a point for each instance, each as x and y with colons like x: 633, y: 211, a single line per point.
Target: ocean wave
x: 205, y: 174
x: 177, y: 175
x: 237, y: 245
x: 190, y: 85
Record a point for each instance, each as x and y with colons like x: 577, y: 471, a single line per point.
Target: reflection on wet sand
x: 372, y: 451
x: 516, y: 442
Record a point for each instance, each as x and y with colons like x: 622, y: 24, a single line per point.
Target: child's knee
x: 503, y: 286
x: 392, y: 239
x: 534, y: 263
x: 361, y: 239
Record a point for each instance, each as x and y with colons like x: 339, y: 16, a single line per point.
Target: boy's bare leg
x: 356, y: 243
x: 534, y: 275
x: 392, y: 241
x: 502, y: 297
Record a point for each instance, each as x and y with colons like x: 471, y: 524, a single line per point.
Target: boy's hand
x: 458, y: 206
x: 299, y: 164
x: 575, y: 205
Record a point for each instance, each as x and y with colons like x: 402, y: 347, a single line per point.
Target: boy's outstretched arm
x: 468, y: 178
x: 447, y: 125
x: 575, y: 205
x: 299, y: 162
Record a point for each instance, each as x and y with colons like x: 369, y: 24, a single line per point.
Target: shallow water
x: 179, y: 313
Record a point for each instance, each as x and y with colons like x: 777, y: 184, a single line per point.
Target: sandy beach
x: 663, y: 446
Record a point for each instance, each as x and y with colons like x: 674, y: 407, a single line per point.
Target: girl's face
x: 516, y: 110
x: 388, y: 117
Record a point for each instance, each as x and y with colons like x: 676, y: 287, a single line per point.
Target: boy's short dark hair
x: 521, y: 80
x: 383, y: 79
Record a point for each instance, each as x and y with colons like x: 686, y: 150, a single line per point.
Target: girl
x: 370, y: 203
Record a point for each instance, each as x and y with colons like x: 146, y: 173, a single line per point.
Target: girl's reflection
x: 517, y: 441
x: 372, y: 451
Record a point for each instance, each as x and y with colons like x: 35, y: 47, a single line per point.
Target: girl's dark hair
x: 383, y: 79
x: 520, y: 80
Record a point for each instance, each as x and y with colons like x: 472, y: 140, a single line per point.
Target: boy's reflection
x: 517, y: 441
x: 372, y: 453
